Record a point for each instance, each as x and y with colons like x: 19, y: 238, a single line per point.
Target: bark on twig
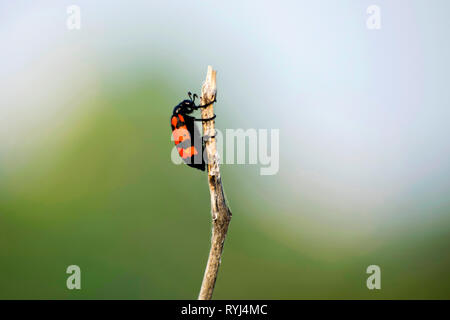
x: 221, y: 214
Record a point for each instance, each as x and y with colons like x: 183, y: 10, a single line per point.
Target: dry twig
x: 221, y: 214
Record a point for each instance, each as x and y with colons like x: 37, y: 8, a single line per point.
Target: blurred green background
x: 85, y: 170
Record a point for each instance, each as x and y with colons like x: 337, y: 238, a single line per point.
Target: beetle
x: 189, y: 142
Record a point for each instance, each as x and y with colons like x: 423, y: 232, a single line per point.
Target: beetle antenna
x: 190, y: 95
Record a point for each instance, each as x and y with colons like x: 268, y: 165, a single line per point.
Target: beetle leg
x: 204, y: 106
x: 208, y: 119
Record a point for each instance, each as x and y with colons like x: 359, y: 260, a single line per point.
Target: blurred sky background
x: 85, y: 170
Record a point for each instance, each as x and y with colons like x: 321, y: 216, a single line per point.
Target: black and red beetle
x: 189, y: 142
